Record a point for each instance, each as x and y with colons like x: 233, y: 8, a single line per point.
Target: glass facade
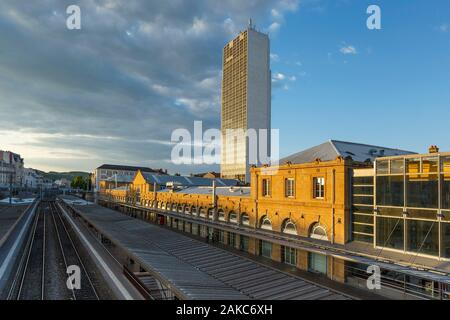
x: 362, y: 206
x: 412, y: 196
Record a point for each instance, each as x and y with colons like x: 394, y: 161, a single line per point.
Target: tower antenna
x: 250, y: 24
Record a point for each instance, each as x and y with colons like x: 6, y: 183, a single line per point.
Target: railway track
x: 49, y: 251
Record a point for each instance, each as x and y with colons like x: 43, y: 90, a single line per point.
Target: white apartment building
x: 11, y: 169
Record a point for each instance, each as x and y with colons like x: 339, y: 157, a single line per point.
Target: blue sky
x: 395, y: 91
x: 114, y: 91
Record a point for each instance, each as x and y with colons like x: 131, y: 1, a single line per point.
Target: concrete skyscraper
x: 246, y: 101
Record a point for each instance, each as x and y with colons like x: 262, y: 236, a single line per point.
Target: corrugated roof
x: 199, y: 270
x: 331, y: 149
x: 187, y: 181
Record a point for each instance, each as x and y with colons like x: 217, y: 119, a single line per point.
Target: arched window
x: 221, y: 215
x: 159, y: 204
x: 164, y: 206
x: 289, y: 227
x: 174, y: 207
x: 318, y: 232
x: 245, y: 219
x: 232, y: 217
x: 202, y: 212
x: 265, y: 224
x: 180, y: 208
x: 187, y: 209
x: 194, y: 210
x: 211, y: 213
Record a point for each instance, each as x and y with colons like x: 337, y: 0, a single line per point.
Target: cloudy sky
x: 114, y: 91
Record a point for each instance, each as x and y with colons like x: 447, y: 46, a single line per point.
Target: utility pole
x: 10, y: 187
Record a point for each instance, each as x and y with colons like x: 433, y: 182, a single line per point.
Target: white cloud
x: 278, y: 76
x: 274, y: 27
x: 444, y: 27
x: 348, y: 50
x: 274, y: 57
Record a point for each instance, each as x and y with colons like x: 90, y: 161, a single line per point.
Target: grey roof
x: 331, y: 149
x: 127, y: 168
x: 197, y: 270
x: 121, y: 178
x: 220, y: 191
x: 187, y: 181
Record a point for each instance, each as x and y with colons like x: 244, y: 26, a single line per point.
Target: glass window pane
x: 317, y: 263
x: 446, y: 239
x: 413, y: 165
x: 430, y: 164
x: 363, y: 228
x: 393, y: 212
x: 363, y: 181
x: 423, y: 236
x: 422, y: 191
x: 362, y: 218
x: 390, y: 233
x: 397, y: 166
x: 362, y: 238
x: 368, y: 190
x: 362, y: 200
x: 446, y: 191
x: 445, y: 164
x: 390, y: 191
x: 382, y: 166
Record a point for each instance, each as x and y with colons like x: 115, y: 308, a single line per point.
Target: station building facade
x: 309, y: 215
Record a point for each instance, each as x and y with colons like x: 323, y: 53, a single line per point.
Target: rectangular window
x: 390, y: 191
x: 289, y: 188
x: 423, y: 236
x: 221, y: 236
x: 317, y: 263
x: 390, y: 233
x: 319, y: 187
x: 422, y: 191
x: 266, y: 188
x: 265, y: 249
x: 232, y: 239
x: 243, y: 243
x: 289, y: 255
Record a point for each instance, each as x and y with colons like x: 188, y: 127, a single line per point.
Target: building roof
x: 121, y: 178
x: 220, y: 191
x: 209, y: 173
x: 198, y: 271
x: 332, y: 149
x: 188, y: 181
x: 127, y: 168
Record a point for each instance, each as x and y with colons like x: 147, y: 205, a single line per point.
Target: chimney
x: 433, y: 149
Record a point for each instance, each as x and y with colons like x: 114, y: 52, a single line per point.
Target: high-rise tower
x: 246, y: 97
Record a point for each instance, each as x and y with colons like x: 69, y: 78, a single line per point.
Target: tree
x: 79, y: 183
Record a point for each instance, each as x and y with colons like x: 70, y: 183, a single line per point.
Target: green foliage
x: 79, y: 183
x: 67, y: 175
